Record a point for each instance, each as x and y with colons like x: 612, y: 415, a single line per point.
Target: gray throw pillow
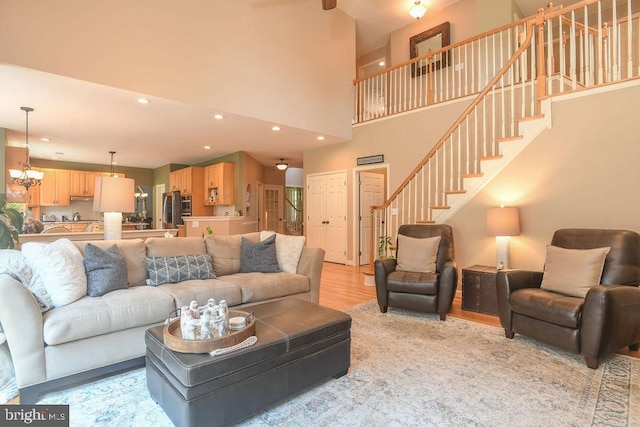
x: 106, y: 270
x: 259, y: 257
x: 176, y: 269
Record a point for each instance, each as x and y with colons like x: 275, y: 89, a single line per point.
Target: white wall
x: 286, y: 62
x: 582, y: 173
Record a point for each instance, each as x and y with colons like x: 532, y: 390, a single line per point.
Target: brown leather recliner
x: 607, y: 319
x: 425, y: 292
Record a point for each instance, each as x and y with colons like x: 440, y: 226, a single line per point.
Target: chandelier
x: 26, y: 177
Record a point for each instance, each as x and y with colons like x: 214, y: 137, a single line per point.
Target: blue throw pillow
x: 259, y: 257
x: 106, y: 270
x: 175, y: 269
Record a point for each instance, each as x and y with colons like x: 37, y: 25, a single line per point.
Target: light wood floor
x: 343, y: 286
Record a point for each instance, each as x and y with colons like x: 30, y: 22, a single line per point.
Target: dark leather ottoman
x: 299, y: 344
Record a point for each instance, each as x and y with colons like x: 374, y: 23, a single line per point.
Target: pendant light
x: 282, y: 165
x: 26, y: 177
x: 417, y: 10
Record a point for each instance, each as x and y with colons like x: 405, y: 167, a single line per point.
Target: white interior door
x: 371, y: 193
x: 273, y: 213
x: 327, y: 214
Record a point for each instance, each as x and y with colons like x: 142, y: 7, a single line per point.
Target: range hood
x: 81, y: 198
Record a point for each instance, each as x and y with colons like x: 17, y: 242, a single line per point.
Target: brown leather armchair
x: 607, y: 319
x: 425, y: 292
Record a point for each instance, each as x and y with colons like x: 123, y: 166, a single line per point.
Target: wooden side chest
x: 479, y: 289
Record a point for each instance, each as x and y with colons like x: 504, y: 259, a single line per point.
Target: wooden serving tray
x: 172, y: 335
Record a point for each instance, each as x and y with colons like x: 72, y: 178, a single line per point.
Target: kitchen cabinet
x: 54, y: 189
x: 83, y: 183
x: 219, y: 188
x: 187, y: 181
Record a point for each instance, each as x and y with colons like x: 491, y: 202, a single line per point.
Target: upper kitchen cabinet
x: 187, y: 181
x: 83, y: 183
x: 219, y: 184
x: 55, y: 188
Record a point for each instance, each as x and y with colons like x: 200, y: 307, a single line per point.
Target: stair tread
x: 440, y: 207
x: 426, y: 221
x: 456, y: 192
x: 472, y: 175
x: 510, y: 138
x: 529, y: 118
x: 496, y: 157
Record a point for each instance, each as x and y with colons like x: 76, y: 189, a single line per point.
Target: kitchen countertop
x: 213, y: 218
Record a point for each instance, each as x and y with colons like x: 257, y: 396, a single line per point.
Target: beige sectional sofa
x: 95, y: 336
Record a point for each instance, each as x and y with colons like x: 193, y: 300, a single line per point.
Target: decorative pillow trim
x: 175, y: 269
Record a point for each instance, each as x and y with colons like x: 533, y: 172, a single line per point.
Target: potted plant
x: 10, y: 225
x: 384, y: 244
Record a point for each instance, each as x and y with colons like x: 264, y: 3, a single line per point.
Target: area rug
x: 411, y: 369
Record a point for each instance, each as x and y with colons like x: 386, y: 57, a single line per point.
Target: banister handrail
x: 286, y: 199
x: 444, y: 49
x: 462, y: 117
x: 549, y: 13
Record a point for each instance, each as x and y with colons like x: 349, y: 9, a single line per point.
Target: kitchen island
x: 219, y: 225
x: 94, y: 235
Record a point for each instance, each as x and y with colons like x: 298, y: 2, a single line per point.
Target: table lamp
x: 113, y: 195
x: 503, y: 223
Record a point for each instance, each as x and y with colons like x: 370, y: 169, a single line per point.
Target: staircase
x: 530, y: 63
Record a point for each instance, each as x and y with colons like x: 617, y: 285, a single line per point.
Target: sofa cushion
x: 106, y: 270
x: 288, y: 249
x: 112, y: 312
x: 550, y: 307
x: 133, y: 251
x: 573, y: 271
x: 60, y: 267
x: 259, y: 257
x: 175, y: 269
x: 259, y: 286
x: 201, y: 290
x: 165, y: 247
x: 225, y: 251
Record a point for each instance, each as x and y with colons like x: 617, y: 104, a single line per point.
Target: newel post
x: 542, y: 74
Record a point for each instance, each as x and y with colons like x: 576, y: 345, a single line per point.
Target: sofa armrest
x: 381, y: 269
x: 310, y: 265
x: 22, y: 323
x: 508, y: 281
x: 610, y: 320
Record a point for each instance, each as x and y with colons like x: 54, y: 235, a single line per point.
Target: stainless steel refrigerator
x: 171, y: 210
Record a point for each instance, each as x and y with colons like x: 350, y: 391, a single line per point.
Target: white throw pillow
x: 417, y: 255
x: 60, y: 267
x: 573, y: 271
x: 288, y: 250
x: 14, y: 263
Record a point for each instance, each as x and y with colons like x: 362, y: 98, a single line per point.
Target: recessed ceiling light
x: 45, y: 139
x: 207, y: 147
x: 381, y: 63
x: 320, y: 138
x: 275, y: 128
x: 218, y: 117
x: 143, y: 101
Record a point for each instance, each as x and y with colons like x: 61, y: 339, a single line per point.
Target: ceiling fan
x: 329, y: 4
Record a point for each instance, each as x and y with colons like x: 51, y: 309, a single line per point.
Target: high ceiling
x: 86, y: 120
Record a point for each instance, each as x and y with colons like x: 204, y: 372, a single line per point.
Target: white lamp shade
x: 503, y: 221
x: 113, y: 194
